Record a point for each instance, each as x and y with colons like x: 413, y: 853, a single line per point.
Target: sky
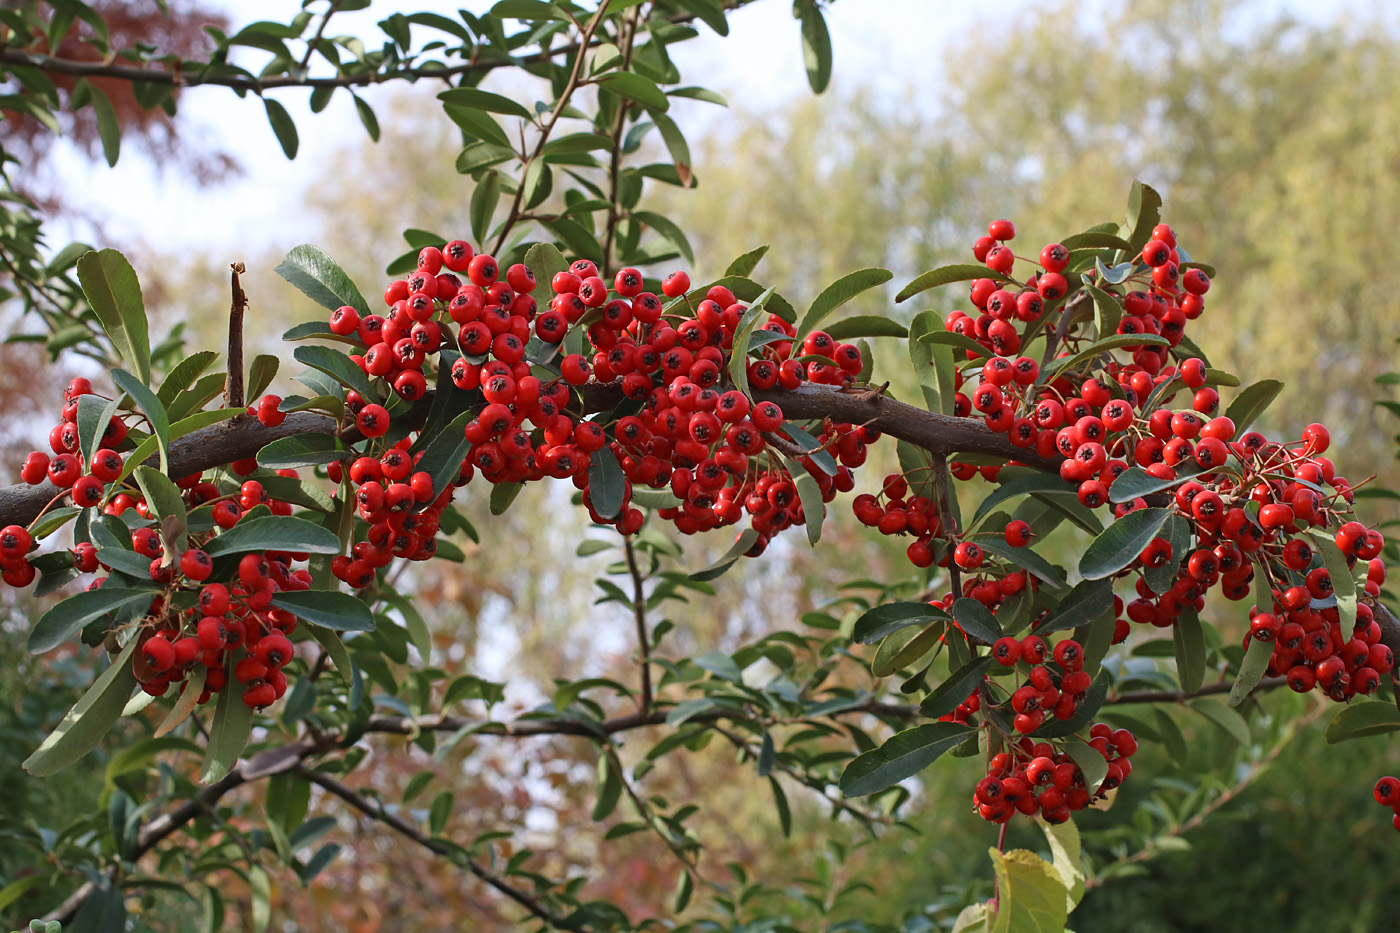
x: 873, y: 46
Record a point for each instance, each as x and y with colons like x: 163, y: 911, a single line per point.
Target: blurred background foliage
x: 1277, y: 148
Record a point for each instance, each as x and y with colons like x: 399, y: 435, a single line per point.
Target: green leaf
x: 114, y: 294
x: 327, y: 608
x: 838, y: 293
x: 902, y: 756
x: 1343, y: 583
x: 1225, y: 716
x: 300, y: 450
x: 743, y: 335
x: 933, y: 363
x: 742, y: 543
x: 1031, y: 895
x: 959, y: 685
x: 94, y: 414
x: 478, y: 99
x: 318, y: 277
x: 67, y: 618
x: 904, y: 647
x: 945, y: 275
x: 1026, y: 559
x: 1121, y: 543
x: 1256, y: 661
x: 957, y: 341
x: 228, y: 733
x: 1094, y: 240
x: 609, y: 789
x: 282, y: 126
x: 670, y: 230
x: 1065, y: 854
x: 1135, y: 481
x: 1108, y: 312
x: 745, y: 264
x: 1144, y: 213
x: 107, y: 127
x: 680, y: 156
x: 607, y: 483
x: 976, y: 620
x: 184, y: 373
x: 1087, y: 602
x: 880, y: 621
x: 1251, y: 402
x: 164, y: 499
x: 1089, y: 760
x: 1362, y: 719
x: 150, y: 404
x: 90, y: 719
x: 636, y: 88
x: 809, y: 493
x: 816, y: 47
x: 274, y: 533
x: 1084, y: 714
x: 336, y: 365
x: 502, y: 495
x: 1116, y: 342
x: 485, y: 196
x: 866, y: 325
x: 260, y: 375
x: 1188, y: 640
x: 525, y: 10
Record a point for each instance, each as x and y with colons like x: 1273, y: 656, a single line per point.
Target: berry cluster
x: 1034, y: 778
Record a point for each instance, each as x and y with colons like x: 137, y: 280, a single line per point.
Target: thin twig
x: 942, y: 485
x: 639, y: 609
x: 615, y: 167
x: 316, y: 39
x: 585, y: 38
x: 376, y: 812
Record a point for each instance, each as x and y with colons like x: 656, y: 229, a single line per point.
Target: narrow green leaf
x: 958, y: 687
x: 260, y: 375
x: 1026, y: 559
x: 816, y: 48
x: 1087, y: 602
x: 328, y: 609
x: 114, y: 294
x: 300, y: 450
x: 64, y: 620
x: 668, y: 229
x: 1144, y: 213
x: 155, y: 411
x: 90, y: 719
x: 503, y: 495
x: 904, y: 755
x: 838, y: 293
x: 275, y: 533
x: 1121, y: 543
x: 609, y: 790
x: 321, y: 279
x: 1362, y: 719
x: 1251, y: 402
x: 1108, y: 313
x: 108, y: 129
x: 636, y: 88
x: 228, y: 733
x: 976, y: 620
x: 743, y: 335
x: 742, y: 543
x: 904, y: 647
x: 185, y: 372
x: 485, y: 196
x: 880, y: 621
x: 165, y: 500
x: 745, y: 264
x: 282, y: 126
x: 607, y: 483
x: 1225, y: 716
x: 336, y: 365
x: 478, y: 99
x: 866, y: 325
x: 945, y: 275
x: 1188, y: 640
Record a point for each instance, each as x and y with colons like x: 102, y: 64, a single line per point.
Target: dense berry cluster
x: 1034, y: 778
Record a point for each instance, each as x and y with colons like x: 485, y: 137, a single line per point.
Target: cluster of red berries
x: 1388, y: 795
x: 1034, y: 778
x: 707, y: 445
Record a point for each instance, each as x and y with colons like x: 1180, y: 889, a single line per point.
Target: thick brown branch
x: 397, y: 823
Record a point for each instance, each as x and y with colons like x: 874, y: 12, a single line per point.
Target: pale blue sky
x: 760, y: 60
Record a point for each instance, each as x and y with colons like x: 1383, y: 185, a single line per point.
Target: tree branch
x: 233, y: 386
x: 376, y: 812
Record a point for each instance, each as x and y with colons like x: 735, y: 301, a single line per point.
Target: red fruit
x: 196, y: 565
x: 15, y: 542
x: 1007, y: 651
x: 1001, y: 230
x: 373, y: 420
x: 1018, y: 533
x: 87, y: 492
x: 1388, y: 791
x: 159, y: 653
x: 268, y: 413
x: 968, y: 555
x: 675, y: 284
x: 1054, y: 258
